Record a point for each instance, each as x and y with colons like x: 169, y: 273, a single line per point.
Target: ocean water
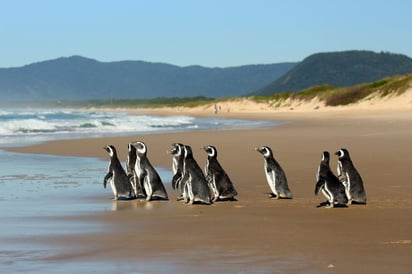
x: 39, y: 193
x: 27, y: 126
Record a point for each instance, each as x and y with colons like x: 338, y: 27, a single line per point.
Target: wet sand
x: 256, y: 234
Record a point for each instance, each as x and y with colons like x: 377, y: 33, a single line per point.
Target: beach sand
x: 256, y: 234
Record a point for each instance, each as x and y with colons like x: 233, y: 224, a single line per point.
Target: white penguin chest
x: 138, y: 167
x: 174, y: 166
x: 339, y: 168
x: 271, y: 178
x: 112, y: 183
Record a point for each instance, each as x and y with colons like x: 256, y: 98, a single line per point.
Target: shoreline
x: 256, y: 233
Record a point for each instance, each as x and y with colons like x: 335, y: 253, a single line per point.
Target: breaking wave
x: 30, y: 126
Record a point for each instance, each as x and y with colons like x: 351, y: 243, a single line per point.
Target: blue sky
x: 213, y: 33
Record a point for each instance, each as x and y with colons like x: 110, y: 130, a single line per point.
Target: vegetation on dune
x: 131, y: 103
x: 153, y: 103
x: 333, y: 96
x: 383, y: 87
x: 305, y: 95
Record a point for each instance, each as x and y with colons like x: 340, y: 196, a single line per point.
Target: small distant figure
x: 117, y: 177
x: 329, y: 184
x: 350, y: 178
x: 219, y: 182
x: 275, y: 175
x: 147, y: 175
x: 216, y: 109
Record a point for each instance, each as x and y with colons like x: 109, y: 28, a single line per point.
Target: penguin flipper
x: 321, y: 182
x: 175, y: 180
x: 108, y: 176
x: 130, y: 176
x: 209, y: 178
x: 142, y: 178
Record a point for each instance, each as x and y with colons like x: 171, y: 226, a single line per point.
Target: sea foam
x: 21, y: 127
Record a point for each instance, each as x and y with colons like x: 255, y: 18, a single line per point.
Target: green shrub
x: 347, y: 96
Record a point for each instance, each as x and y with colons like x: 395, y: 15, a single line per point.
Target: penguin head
x: 140, y: 147
x: 131, y: 149
x: 210, y: 150
x: 325, y: 156
x: 265, y: 151
x: 188, y: 152
x: 342, y: 153
x: 111, y: 149
x: 177, y: 150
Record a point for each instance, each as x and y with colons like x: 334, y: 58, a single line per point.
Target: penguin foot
x: 124, y: 198
x: 273, y: 196
x: 141, y: 196
x: 358, y: 203
x: 341, y: 205
x: 226, y: 199
x: 323, y: 204
x: 159, y: 198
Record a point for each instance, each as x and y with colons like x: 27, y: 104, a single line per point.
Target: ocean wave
x: 23, y: 126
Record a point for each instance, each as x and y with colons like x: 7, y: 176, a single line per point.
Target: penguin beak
x: 133, y: 144
x: 171, y: 151
x: 337, y: 153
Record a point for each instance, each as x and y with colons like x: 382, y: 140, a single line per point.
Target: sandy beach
x: 256, y: 234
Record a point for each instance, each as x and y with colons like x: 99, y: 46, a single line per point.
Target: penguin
x: 130, y: 171
x: 147, y: 174
x: 330, y: 185
x: 195, y: 187
x: 219, y: 182
x: 350, y: 178
x: 117, y: 177
x: 275, y: 175
x: 177, y: 152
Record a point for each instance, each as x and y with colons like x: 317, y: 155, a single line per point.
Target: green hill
x: 339, y: 69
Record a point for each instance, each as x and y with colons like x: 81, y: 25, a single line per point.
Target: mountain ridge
x: 78, y: 77
x: 81, y: 78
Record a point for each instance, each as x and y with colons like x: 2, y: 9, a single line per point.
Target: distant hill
x: 339, y: 69
x: 79, y: 78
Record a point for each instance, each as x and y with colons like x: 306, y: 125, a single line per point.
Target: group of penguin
x: 341, y: 190
x: 141, y: 180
